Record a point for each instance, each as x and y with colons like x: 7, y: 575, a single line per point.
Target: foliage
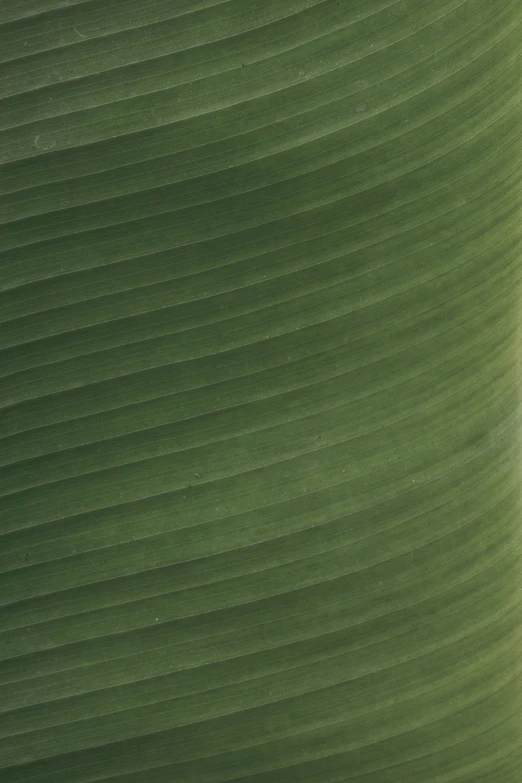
x: 260, y: 484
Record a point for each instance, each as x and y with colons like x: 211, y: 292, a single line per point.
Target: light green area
x: 260, y: 501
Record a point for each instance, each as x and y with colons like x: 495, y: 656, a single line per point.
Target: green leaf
x: 260, y: 398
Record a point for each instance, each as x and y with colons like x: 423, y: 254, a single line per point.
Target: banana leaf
x: 260, y: 396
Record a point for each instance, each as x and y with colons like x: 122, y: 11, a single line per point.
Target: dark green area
x: 260, y: 378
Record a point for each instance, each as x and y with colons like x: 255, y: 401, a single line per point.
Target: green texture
x: 260, y: 394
